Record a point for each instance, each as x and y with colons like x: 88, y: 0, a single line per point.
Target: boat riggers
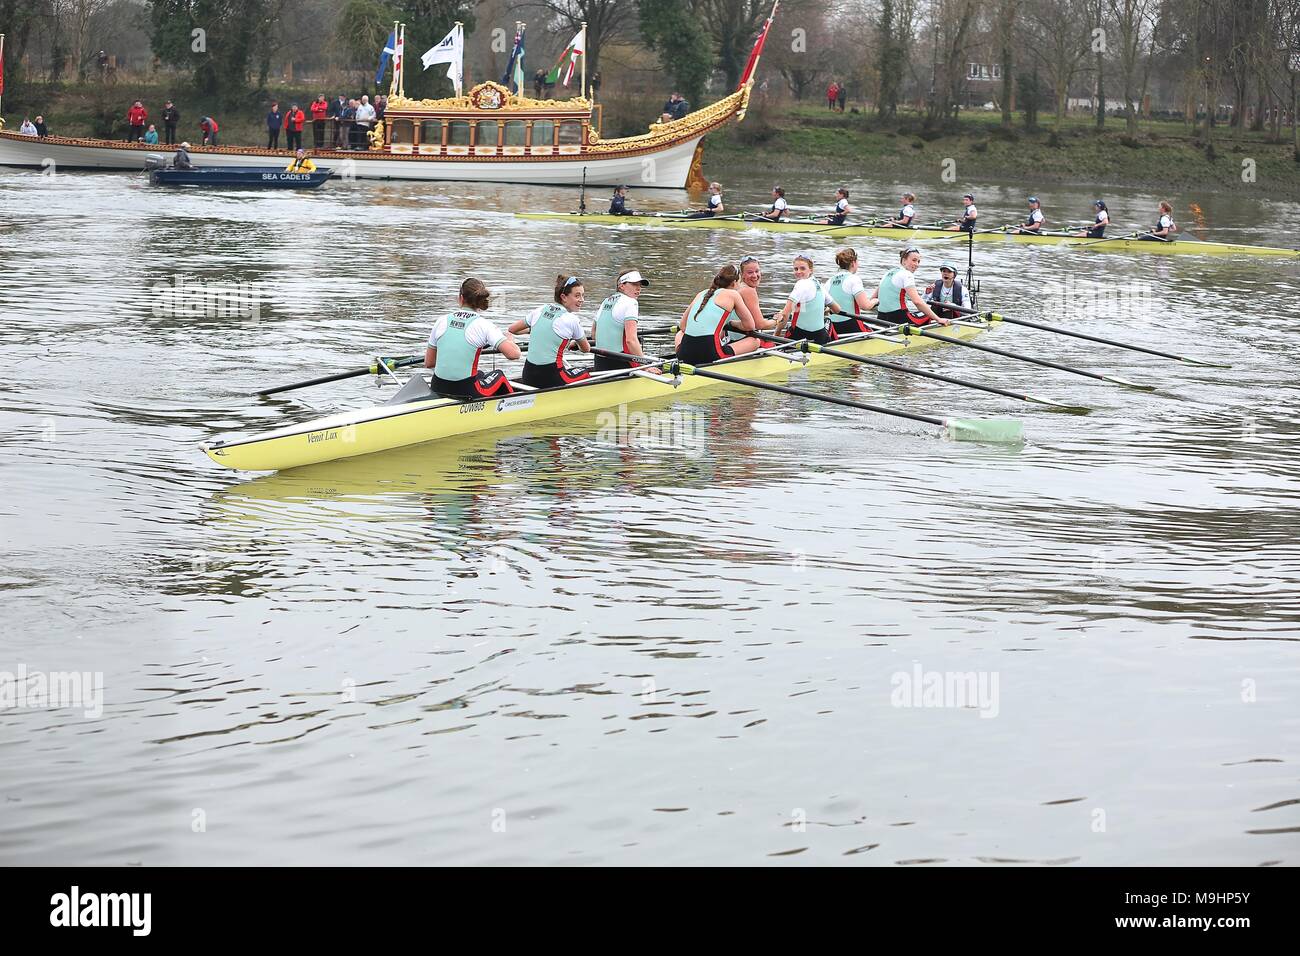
x: 999, y: 317
x: 380, y: 364
x: 964, y: 429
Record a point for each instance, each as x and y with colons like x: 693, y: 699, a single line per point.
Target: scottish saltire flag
x: 515, y: 68
x: 389, y: 49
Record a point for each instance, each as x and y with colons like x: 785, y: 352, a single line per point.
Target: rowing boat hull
x: 1176, y: 247
x: 385, y: 427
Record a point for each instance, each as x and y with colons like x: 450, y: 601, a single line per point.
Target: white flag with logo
x: 452, y: 51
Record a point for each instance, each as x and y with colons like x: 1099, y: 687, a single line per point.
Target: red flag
x: 754, y: 54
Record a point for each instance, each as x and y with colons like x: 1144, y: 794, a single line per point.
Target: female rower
x: 842, y: 209
x: 967, y: 221
x: 804, y: 313
x: 614, y: 329
x: 705, y: 319
x: 898, y: 289
x: 457, y: 340
x: 779, y: 209
x: 1098, y: 228
x: 847, y: 297
x: 1165, y: 225
x: 714, y: 208
x: 751, y: 275
x: 1034, y: 221
x: 553, y: 328
x: 905, y: 214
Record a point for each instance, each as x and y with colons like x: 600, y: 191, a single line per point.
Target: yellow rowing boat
x: 1115, y: 244
x: 384, y: 427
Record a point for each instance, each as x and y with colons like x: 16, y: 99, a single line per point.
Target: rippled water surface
x: 540, y: 646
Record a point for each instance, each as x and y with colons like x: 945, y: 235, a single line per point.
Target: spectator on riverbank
x: 842, y: 96
x: 319, y: 111
x: 677, y: 106
x: 381, y: 106
x: 208, y: 126
x: 293, y: 124
x: 170, y: 117
x: 539, y: 80
x: 274, y: 120
x: 135, y: 118
x: 595, y: 84
x: 151, y: 135
x: 28, y: 128
x: 832, y: 95
x: 41, y: 129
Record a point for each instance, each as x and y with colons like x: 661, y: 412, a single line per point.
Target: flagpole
x: 401, y: 74
x: 2, y: 80
x: 583, y: 89
x: 460, y: 33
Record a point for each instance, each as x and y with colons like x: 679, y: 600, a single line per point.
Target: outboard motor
x: 154, y: 161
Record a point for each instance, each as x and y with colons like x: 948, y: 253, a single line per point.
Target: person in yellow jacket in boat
x: 301, y: 163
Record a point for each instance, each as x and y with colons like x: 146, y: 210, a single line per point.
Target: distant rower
x: 905, y: 214
x: 967, y: 221
x: 842, y: 209
x: 552, y: 329
x: 456, y: 342
x: 618, y: 203
x: 804, y: 313
x: 779, y: 208
x: 847, y: 297
x: 900, y: 302
x: 705, y: 320
x: 614, y: 329
x: 1098, y: 228
x: 1165, y: 225
x: 1034, y: 221
x: 714, y: 207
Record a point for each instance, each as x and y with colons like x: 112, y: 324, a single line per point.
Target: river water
x: 549, y: 646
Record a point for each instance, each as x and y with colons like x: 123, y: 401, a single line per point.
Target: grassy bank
x: 1164, y: 153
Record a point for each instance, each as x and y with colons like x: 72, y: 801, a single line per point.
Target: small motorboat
x: 233, y: 177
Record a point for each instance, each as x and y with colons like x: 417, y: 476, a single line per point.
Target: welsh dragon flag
x: 562, y: 72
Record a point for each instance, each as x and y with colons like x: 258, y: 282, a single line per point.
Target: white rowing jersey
x: 1035, y: 216
x: 780, y: 206
x: 714, y: 202
x: 842, y: 206
x: 1103, y: 218
x: 972, y: 212
x: 1166, y: 221
x: 907, y: 212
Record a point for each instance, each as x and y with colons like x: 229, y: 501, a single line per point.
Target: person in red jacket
x: 832, y: 94
x: 293, y: 123
x: 209, y: 127
x: 319, y: 110
x: 136, y: 117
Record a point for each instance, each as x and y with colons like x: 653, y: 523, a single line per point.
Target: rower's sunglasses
x: 572, y: 280
x: 745, y: 259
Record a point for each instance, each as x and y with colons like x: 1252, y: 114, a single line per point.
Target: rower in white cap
x: 614, y: 329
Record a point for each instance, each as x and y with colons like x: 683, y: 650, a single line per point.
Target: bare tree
x: 1006, y: 15
x: 607, y: 21
x: 1134, y: 23
x: 952, y: 21
x: 1061, y: 35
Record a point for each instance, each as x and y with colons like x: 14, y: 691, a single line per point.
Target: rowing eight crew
x: 779, y: 211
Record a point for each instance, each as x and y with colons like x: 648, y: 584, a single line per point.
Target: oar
x: 998, y: 317
x: 373, y: 369
x: 850, y: 225
x: 1046, y: 363
x: 805, y: 346
x: 1093, y: 242
x: 968, y: 429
